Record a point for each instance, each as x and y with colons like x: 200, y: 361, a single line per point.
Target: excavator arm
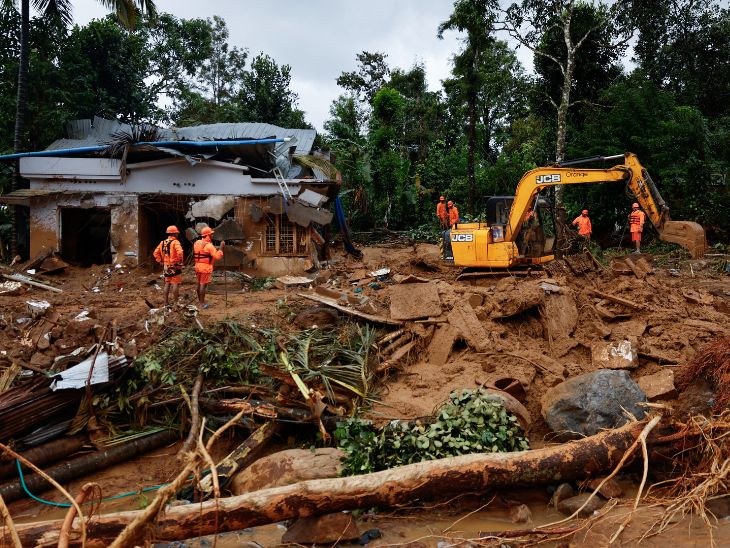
x: 685, y: 233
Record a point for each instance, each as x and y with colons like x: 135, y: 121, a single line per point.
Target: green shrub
x: 470, y: 422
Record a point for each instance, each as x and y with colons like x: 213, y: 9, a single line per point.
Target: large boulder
x: 287, y: 467
x: 589, y: 403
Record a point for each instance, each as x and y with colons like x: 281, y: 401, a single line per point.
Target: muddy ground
x: 538, y: 337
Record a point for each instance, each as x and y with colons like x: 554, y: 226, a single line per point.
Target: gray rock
x: 589, y: 403
x: 564, y: 491
x: 569, y: 506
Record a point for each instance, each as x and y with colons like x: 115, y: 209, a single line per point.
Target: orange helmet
x: 442, y: 199
x: 584, y: 212
x: 172, y: 229
x: 635, y: 205
x: 207, y: 231
x: 451, y: 203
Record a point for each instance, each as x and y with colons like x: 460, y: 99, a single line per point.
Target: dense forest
x: 647, y: 76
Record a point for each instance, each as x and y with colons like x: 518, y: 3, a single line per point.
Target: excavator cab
x: 537, y: 238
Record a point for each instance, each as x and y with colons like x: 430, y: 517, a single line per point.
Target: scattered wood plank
x: 347, y: 310
x: 617, y: 300
x: 585, y: 458
x: 25, y: 280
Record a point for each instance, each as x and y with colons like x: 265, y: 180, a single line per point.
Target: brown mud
x: 538, y: 332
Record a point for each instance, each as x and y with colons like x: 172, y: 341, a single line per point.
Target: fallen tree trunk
x: 46, y: 453
x: 580, y: 459
x: 87, y: 464
x: 241, y: 457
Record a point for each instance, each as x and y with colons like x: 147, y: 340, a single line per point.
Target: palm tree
x: 126, y: 11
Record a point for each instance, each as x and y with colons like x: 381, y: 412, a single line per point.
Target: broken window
x: 284, y: 237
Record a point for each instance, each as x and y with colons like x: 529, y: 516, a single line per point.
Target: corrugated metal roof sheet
x: 84, y: 133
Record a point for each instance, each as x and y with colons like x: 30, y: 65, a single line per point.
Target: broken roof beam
x: 347, y: 310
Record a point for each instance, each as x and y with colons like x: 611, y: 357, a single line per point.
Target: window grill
x: 271, y: 237
x: 282, y: 237
x: 286, y: 237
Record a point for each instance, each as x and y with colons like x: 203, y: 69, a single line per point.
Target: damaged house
x: 107, y: 192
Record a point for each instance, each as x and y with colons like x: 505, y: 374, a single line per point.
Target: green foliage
x: 470, y: 422
x: 334, y: 359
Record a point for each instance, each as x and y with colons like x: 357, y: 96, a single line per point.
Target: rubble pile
x: 573, y: 351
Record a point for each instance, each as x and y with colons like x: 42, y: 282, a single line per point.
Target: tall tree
x: 266, y: 94
x: 126, y: 10
x: 530, y: 21
x: 371, y: 74
x: 474, y: 18
x: 679, y: 44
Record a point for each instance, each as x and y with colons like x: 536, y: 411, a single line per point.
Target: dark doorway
x: 156, y: 213
x: 85, y: 235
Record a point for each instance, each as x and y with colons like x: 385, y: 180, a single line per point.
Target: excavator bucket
x: 689, y: 235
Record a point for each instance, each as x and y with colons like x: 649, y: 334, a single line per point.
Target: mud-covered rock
x: 324, y: 529
x: 659, y: 386
x: 571, y: 505
x: 589, y: 403
x: 287, y: 467
x: 563, y: 491
x: 610, y: 490
x: 316, y: 315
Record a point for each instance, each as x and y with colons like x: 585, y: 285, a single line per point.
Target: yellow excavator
x: 520, y: 230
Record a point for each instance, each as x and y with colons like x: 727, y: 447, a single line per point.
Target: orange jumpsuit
x: 442, y: 215
x: 205, y: 255
x: 170, y: 254
x: 453, y: 216
x: 636, y: 224
x: 584, y: 225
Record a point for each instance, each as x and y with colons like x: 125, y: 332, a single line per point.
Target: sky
x: 320, y: 38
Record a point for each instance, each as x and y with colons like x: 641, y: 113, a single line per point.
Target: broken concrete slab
x: 312, y: 198
x: 659, y: 386
x: 441, y: 344
x: 215, y: 207
x: 302, y: 214
x: 414, y: 301
x: 615, y: 355
x: 288, y: 282
x: 228, y: 230
x: 463, y: 318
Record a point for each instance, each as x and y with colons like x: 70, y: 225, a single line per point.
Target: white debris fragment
x: 75, y: 377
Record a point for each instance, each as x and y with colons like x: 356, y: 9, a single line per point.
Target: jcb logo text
x: 543, y: 179
x: 462, y: 237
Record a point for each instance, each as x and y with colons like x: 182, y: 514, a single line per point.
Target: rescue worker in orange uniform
x: 453, y: 215
x: 584, y: 224
x: 636, y: 225
x: 205, y: 254
x: 442, y: 214
x: 169, y: 253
